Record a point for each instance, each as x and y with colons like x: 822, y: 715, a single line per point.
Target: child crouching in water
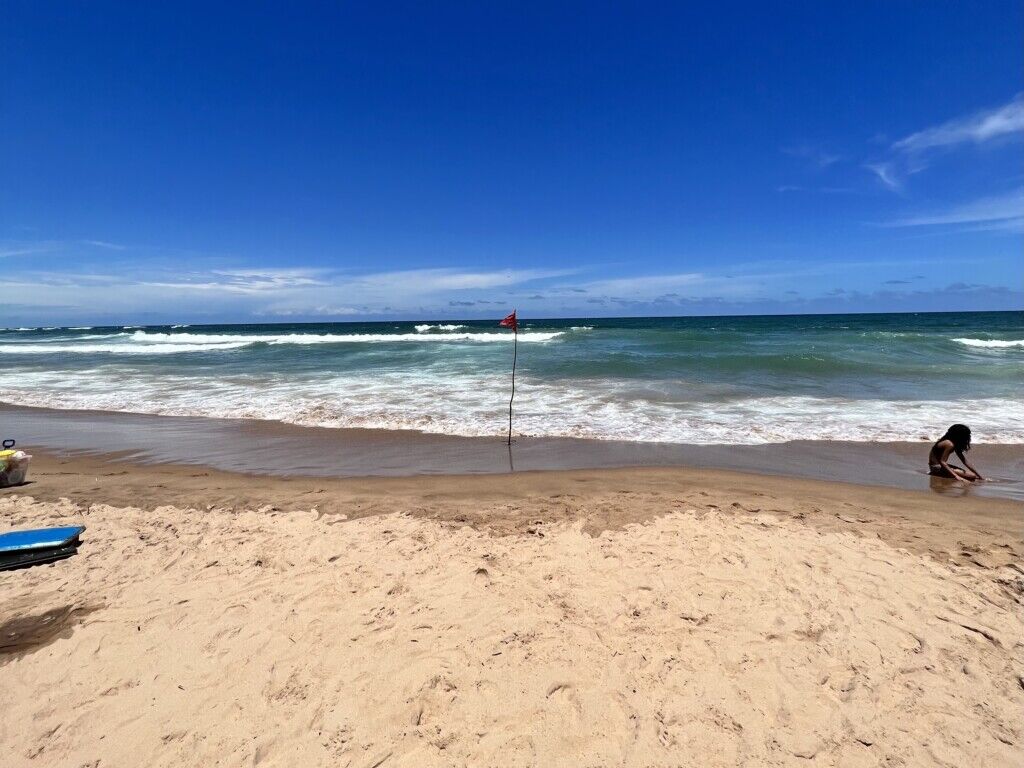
x: 956, y: 440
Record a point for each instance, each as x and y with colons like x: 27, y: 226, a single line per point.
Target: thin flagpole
x: 515, y: 352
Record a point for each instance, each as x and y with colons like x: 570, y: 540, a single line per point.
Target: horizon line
x: 531, y: 319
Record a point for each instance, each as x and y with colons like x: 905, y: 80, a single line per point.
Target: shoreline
x: 279, y: 449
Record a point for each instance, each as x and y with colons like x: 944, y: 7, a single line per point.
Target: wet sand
x: 259, y: 447
x: 949, y: 527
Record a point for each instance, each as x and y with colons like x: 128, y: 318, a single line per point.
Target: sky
x: 288, y: 162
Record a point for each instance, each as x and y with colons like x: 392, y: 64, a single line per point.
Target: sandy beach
x: 637, y: 617
x: 478, y: 385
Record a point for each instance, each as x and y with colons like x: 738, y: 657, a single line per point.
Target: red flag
x: 510, y: 322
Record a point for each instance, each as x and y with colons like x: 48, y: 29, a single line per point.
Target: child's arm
x: 952, y: 472
x: 968, y: 465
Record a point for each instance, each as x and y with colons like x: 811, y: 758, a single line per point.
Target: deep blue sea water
x: 699, y: 380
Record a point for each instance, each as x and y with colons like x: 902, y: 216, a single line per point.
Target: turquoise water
x: 700, y: 380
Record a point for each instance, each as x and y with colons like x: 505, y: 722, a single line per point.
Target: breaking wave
x: 146, y: 343
x: 458, y: 404
x: 113, y: 349
x: 991, y: 343
x: 427, y: 328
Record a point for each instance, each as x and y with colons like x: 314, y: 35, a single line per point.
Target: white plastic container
x: 13, y: 468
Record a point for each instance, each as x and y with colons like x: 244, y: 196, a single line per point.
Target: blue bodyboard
x: 21, y: 549
x: 39, y: 538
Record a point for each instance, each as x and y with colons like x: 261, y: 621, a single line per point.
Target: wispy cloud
x: 105, y: 244
x: 998, y: 212
x: 784, y: 188
x: 912, y: 154
x: 5, y: 253
x: 974, y: 129
x: 261, y: 292
x: 645, y: 286
x: 672, y: 288
x: 886, y: 173
x: 24, y: 249
x: 816, y: 156
x: 320, y: 311
x: 450, y: 279
x: 241, y: 281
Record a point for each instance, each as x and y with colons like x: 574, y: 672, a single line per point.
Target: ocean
x: 707, y: 380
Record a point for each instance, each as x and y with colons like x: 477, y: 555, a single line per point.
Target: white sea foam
x: 426, y: 328
x: 144, y: 343
x: 333, y: 338
x: 81, y: 328
x: 582, y: 328
x: 475, y: 405
x: 991, y: 343
x: 182, y: 325
x: 115, y: 348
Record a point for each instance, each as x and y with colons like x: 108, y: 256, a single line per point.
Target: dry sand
x: 601, y: 618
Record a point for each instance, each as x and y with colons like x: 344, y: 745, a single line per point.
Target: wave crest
x: 333, y: 338
x: 427, y: 328
x: 145, y: 343
x: 113, y: 349
x: 991, y: 343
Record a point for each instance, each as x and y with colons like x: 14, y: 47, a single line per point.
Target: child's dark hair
x: 960, y: 436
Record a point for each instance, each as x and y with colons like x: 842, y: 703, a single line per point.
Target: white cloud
x: 284, y: 292
x: 645, y: 286
x: 885, y: 173
x: 910, y: 154
x: 975, y: 129
x: 447, y: 279
x: 317, y: 311
x: 270, y: 274
x: 686, y: 286
x: 24, y: 249
x: 244, y: 281
x: 814, y: 155
x: 19, y: 248
x: 104, y: 244
x: 998, y: 212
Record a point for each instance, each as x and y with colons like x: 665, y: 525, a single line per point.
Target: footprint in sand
x: 562, y: 696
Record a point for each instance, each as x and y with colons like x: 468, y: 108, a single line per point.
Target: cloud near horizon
x: 295, y: 294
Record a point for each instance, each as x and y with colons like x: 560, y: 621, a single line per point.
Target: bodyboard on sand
x: 21, y: 549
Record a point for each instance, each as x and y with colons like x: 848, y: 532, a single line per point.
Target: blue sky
x: 287, y: 162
